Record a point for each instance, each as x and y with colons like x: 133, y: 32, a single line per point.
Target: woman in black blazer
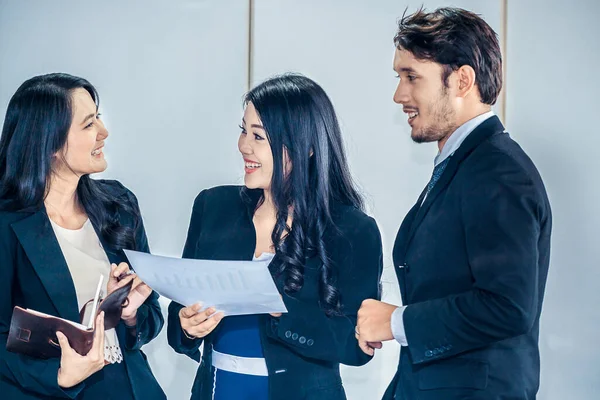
x: 298, y: 203
x: 59, y: 231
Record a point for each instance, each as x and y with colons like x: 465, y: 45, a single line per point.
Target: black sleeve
x: 149, y: 315
x: 307, y: 330
x: 501, y: 218
x: 175, y: 335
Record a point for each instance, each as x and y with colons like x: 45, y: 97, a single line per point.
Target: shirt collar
x: 459, y: 135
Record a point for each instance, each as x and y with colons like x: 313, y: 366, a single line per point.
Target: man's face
x: 424, y: 98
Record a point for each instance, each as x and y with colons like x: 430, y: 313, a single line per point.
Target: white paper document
x: 234, y: 287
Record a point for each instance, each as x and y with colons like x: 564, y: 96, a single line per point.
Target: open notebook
x: 34, y: 333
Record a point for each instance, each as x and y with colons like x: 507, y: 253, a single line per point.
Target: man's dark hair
x: 454, y: 37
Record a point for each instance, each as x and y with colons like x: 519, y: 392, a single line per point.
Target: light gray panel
x: 553, y: 57
x: 171, y: 75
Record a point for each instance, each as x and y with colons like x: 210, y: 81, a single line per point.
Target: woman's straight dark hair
x: 300, y: 121
x: 35, y: 129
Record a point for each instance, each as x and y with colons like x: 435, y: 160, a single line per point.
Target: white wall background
x: 553, y: 57
x: 171, y: 76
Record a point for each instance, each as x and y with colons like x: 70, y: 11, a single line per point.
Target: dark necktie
x: 437, y: 172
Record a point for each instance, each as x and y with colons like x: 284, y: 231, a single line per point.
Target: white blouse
x: 87, y: 260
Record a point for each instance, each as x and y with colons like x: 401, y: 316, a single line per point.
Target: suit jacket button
x: 428, y: 353
x: 310, y: 342
x: 302, y: 340
x: 288, y: 334
x: 295, y: 336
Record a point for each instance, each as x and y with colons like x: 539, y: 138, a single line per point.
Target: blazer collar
x: 245, y: 248
x: 485, y: 130
x: 37, y: 238
x: 39, y: 241
x: 239, y: 242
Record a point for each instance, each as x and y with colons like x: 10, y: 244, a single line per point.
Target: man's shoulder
x: 497, y: 156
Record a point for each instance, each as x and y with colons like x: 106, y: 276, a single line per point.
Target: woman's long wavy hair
x: 35, y: 129
x: 300, y: 121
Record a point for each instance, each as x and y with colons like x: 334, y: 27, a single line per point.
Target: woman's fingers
x: 63, y: 342
x: 202, y: 316
x: 98, y: 344
x: 206, y: 327
x: 187, y: 312
x: 118, y: 270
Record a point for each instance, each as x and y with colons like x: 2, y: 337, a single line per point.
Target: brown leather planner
x: 34, y: 333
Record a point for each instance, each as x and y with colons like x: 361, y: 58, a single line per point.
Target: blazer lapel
x: 486, y: 129
x: 239, y: 244
x: 238, y: 241
x: 41, y: 247
x: 243, y: 249
x: 401, y: 242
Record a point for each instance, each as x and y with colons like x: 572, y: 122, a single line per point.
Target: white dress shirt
x: 87, y: 260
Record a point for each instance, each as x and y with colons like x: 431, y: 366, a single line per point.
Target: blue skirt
x: 233, y: 386
x: 239, y: 336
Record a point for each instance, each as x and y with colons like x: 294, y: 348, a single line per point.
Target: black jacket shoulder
x: 232, y: 198
x: 114, y: 188
x: 220, y: 197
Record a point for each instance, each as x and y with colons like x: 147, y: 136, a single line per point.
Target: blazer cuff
x: 136, y: 335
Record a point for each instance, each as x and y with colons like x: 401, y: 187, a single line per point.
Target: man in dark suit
x: 472, y: 255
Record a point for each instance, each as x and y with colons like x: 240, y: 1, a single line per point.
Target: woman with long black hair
x: 60, y: 231
x: 300, y: 209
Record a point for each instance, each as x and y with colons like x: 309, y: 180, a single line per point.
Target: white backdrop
x: 553, y: 58
x: 171, y: 76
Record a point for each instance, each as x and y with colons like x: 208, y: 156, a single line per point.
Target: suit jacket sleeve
x: 175, y: 336
x: 502, y: 212
x: 307, y: 330
x: 149, y: 315
x: 35, y: 375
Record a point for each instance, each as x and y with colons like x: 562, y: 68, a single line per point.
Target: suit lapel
x: 241, y: 245
x: 486, y: 129
x: 237, y: 241
x: 41, y: 247
x: 244, y: 243
x: 400, y: 243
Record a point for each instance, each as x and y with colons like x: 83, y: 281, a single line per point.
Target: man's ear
x: 466, y: 80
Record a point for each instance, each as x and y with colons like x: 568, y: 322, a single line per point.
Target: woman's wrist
x: 130, y: 321
x: 187, y: 335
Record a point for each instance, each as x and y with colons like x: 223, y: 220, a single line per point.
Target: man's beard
x: 442, y: 124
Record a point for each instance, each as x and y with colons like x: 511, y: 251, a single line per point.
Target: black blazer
x: 34, y: 274
x: 472, y: 262
x: 221, y: 228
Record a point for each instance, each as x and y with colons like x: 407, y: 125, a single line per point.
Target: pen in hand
x: 124, y: 275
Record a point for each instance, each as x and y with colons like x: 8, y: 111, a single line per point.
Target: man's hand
x: 374, y: 325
